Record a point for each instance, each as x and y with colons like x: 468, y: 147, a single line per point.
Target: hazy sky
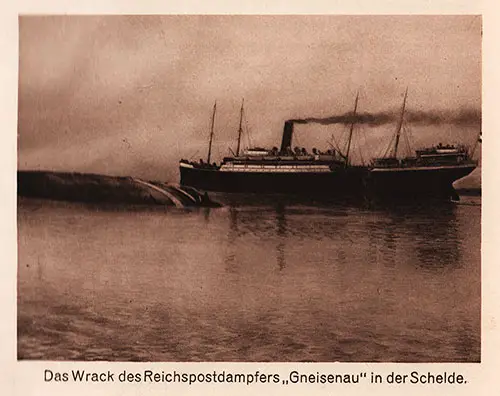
x: 132, y: 95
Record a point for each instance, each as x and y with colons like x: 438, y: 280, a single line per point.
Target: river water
x: 250, y: 282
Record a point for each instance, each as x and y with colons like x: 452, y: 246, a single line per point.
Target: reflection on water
x: 263, y: 282
x: 252, y: 222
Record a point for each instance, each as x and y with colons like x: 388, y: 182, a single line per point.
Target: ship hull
x: 416, y: 183
x: 351, y: 182
x: 342, y: 182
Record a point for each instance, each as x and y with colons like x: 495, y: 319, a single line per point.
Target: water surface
x: 261, y: 282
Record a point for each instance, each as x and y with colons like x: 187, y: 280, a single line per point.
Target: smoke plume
x: 461, y: 117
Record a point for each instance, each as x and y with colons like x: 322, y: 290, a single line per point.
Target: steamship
x: 430, y: 172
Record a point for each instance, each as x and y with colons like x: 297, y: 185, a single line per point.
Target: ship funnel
x: 286, y: 141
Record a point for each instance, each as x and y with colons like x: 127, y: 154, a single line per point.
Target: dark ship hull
x: 416, y: 183
x: 349, y: 182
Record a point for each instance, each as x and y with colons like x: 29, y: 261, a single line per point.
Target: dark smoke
x: 349, y: 118
x: 462, y: 117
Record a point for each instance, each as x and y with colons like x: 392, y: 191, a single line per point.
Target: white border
x: 26, y: 378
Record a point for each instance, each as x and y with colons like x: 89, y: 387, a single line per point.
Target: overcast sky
x: 132, y: 95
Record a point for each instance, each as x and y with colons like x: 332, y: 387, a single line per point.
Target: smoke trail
x: 462, y: 117
x: 349, y: 118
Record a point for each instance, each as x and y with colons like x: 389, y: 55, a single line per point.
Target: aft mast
x: 211, y: 134
x: 240, y: 129
x: 351, y: 130
x: 400, y: 125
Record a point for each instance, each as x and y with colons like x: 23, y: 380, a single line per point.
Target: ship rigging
x: 429, y: 172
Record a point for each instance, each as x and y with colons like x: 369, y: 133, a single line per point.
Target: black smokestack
x: 286, y: 141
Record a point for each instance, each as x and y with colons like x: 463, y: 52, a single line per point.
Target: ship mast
x: 400, y: 125
x: 351, y: 130
x: 240, y: 129
x: 211, y: 134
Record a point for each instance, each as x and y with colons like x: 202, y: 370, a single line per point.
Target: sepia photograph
x: 249, y: 188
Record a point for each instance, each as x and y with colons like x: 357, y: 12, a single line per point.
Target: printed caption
x: 294, y: 377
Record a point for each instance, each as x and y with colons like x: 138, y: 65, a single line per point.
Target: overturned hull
x: 103, y: 189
